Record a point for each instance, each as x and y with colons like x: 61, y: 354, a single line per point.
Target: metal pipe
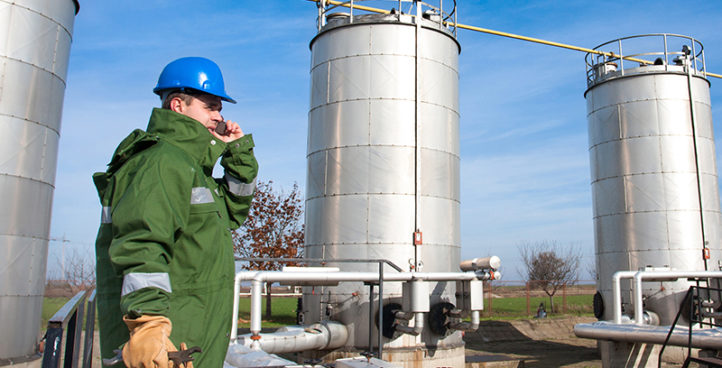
x: 321, y: 261
x: 602, y: 330
x: 617, y: 294
x: 638, y: 277
x: 417, y: 143
x: 371, y: 316
x: 381, y: 308
x: 291, y: 339
x: 693, y: 120
x: 258, y: 278
x: 256, y: 290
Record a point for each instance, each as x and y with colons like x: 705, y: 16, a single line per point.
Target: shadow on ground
x: 539, y: 343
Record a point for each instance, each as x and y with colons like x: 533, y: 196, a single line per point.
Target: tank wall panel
x: 361, y: 184
x: 26, y: 207
x: 645, y: 182
x: 35, y: 38
x: 28, y: 150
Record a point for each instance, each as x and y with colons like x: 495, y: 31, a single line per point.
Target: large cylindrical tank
x: 383, y: 162
x: 35, y: 41
x: 653, y: 171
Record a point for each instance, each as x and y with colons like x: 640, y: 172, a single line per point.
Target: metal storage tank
x: 653, y: 171
x: 35, y: 41
x: 383, y: 162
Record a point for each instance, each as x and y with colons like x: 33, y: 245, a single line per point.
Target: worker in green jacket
x: 165, y: 263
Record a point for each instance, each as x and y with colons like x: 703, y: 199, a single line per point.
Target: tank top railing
x: 670, y: 51
x: 440, y: 11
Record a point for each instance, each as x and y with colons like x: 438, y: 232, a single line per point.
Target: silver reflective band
x: 239, y: 188
x: 201, y: 195
x: 105, y: 217
x: 137, y: 281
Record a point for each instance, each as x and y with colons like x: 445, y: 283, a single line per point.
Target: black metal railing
x: 696, y: 304
x: 70, y: 319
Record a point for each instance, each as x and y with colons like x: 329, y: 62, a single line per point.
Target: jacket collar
x: 187, y: 134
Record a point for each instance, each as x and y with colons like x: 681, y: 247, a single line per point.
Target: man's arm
x: 146, y: 219
x: 239, y: 181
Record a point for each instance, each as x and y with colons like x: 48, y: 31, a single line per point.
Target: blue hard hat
x: 195, y: 73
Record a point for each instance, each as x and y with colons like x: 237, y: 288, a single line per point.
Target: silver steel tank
x: 35, y: 41
x: 653, y: 171
x: 383, y: 163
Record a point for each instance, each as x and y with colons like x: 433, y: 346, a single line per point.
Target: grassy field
x: 284, y: 309
x: 515, y: 307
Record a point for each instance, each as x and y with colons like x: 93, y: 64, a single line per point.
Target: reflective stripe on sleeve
x: 137, y: 281
x: 105, y: 216
x: 201, y: 195
x: 239, y: 188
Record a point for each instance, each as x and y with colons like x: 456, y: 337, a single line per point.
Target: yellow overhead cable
x: 509, y: 35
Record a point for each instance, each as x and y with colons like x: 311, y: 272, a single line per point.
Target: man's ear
x: 177, y: 105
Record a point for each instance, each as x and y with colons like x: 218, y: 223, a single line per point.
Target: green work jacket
x: 164, y: 245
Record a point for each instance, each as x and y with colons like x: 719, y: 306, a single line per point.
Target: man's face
x: 204, y: 108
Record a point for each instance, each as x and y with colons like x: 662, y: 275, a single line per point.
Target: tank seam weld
x: 383, y: 99
x: 52, y: 185
x: 32, y: 121
x: 36, y: 67
x: 44, y: 16
x: 379, y: 145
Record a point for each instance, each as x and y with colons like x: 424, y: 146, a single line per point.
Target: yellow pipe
x: 509, y: 35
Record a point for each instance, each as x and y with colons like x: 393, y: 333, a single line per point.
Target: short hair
x: 186, y: 97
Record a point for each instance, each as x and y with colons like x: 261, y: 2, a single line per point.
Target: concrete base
x: 30, y: 361
x: 420, y: 357
x: 625, y: 354
x: 493, y: 361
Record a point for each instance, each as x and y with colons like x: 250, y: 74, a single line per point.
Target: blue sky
x: 524, y: 150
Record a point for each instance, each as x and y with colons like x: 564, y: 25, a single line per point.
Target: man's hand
x: 233, y: 132
x: 149, y: 344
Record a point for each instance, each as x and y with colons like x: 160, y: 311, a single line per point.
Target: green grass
x: 515, y: 308
x: 284, y: 309
x: 50, y: 307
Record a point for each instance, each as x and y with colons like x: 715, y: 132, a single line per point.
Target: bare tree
x: 273, y: 229
x: 77, y: 271
x: 550, y: 266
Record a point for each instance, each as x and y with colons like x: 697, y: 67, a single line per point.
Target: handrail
x: 659, y: 53
x: 693, y: 301
x: 69, y: 316
x: 89, y: 331
x: 65, y: 313
x: 321, y: 261
x: 510, y: 35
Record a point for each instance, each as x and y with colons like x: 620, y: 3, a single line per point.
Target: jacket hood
x: 177, y: 129
x: 187, y: 134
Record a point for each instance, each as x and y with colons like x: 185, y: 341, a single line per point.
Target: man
x: 165, y: 262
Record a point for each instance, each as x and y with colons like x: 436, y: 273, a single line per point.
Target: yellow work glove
x: 149, y: 344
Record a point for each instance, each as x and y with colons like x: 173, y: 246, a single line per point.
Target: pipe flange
x: 389, y: 328
x: 439, y: 318
x: 598, y: 305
